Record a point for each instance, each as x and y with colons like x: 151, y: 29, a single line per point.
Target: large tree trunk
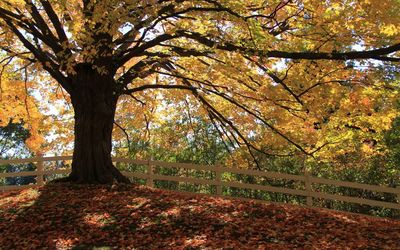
x: 94, y: 103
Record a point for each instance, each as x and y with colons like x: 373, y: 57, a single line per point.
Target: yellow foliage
x: 18, y: 106
x: 277, y: 104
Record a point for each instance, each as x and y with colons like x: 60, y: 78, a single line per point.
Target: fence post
x: 309, y: 199
x: 39, y: 170
x: 150, y: 180
x: 218, y: 174
x: 398, y: 195
x: 398, y: 191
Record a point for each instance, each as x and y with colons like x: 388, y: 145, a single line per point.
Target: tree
x: 228, y: 53
x: 20, y: 116
x: 20, y: 120
x: 13, y: 141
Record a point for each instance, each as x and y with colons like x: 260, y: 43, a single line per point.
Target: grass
x: 136, y: 217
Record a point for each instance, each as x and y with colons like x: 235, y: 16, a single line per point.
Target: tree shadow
x: 127, y: 216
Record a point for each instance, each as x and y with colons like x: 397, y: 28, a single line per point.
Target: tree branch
x: 378, y: 54
x: 156, y: 86
x: 47, y: 63
x: 55, y: 20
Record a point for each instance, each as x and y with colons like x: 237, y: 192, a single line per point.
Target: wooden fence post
x: 309, y: 198
x: 39, y: 170
x: 398, y: 191
x: 150, y: 180
x: 218, y: 178
x: 398, y: 194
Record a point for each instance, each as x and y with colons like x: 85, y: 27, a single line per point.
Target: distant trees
x: 13, y: 138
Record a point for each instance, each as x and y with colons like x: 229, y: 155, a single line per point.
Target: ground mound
x: 61, y: 216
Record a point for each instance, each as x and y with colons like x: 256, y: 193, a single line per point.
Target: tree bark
x: 94, y: 103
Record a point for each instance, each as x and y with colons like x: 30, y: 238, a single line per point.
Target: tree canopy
x: 276, y: 77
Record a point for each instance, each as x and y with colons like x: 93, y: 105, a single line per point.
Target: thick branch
x: 55, y: 20
x: 45, y: 35
x: 130, y: 53
x: 378, y: 54
x: 137, y: 70
x: 47, y: 63
x: 157, y: 86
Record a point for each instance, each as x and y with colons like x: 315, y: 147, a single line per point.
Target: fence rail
x: 150, y: 176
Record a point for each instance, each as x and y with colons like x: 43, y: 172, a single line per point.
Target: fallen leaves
x: 82, y: 217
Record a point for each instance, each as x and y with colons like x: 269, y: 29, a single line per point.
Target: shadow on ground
x: 60, y: 216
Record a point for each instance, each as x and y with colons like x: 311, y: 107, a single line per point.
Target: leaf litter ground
x: 136, y: 217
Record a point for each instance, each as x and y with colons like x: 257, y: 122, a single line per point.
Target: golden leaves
x: 17, y: 106
x: 390, y: 30
x: 309, y: 101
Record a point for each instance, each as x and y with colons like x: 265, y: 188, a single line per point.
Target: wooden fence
x: 150, y: 176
